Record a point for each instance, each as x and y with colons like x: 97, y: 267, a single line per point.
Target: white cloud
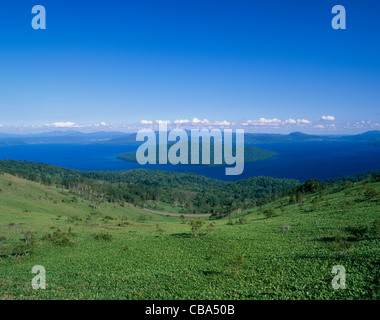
x: 222, y: 123
x: 328, y: 118
x: 146, y: 122
x: 181, y: 121
x: 198, y: 121
x: 319, y: 126
x: 64, y: 124
x: 162, y: 121
x: 291, y: 121
x: 264, y: 122
x: 303, y: 121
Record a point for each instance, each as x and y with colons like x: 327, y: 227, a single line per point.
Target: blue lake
x: 300, y: 161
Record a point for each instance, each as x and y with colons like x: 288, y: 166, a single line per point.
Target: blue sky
x: 257, y: 64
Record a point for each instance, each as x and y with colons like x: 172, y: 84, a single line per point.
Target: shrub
x: 370, y: 193
x: 269, y: 212
x: 349, y: 205
x: 340, y: 246
x: 374, y: 229
x: 123, y: 224
x: 243, y: 220
x: 22, y: 250
x: 102, y: 236
x: 358, y: 232
x: 29, y: 237
x: 196, y: 226
x: 60, y: 238
x: 141, y: 218
x: 211, y: 228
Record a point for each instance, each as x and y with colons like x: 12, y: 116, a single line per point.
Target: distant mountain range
x: 59, y: 137
x: 119, y: 138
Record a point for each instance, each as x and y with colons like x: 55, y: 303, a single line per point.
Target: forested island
x: 251, y: 154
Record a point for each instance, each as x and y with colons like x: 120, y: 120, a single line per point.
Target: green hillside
x: 188, y: 192
x: 284, y: 249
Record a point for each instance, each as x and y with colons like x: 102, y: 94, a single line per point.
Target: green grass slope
x: 278, y: 251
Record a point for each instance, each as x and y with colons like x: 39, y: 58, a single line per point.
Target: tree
x: 196, y: 226
x: 210, y: 228
x: 370, y: 193
x: 243, y: 220
x: 269, y: 212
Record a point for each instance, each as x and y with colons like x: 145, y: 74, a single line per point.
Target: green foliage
x: 196, y: 226
x: 60, y: 238
x: 370, y: 193
x: 242, y: 220
x: 340, y: 245
x: 270, y: 212
x: 374, y: 229
x: 359, y: 232
x: 141, y: 218
x: 260, y: 260
x: 29, y: 237
x: 211, y: 228
x: 190, y: 192
x: 102, y: 235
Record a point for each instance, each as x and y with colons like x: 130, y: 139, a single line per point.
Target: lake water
x: 302, y: 161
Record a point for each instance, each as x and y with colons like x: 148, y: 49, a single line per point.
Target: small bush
x: 370, y: 193
x: 29, y: 237
x: 196, y: 226
x: 340, y: 245
x: 374, y: 229
x: 22, y: 250
x: 242, y: 220
x: 123, y: 224
x: 211, y: 228
x: 59, y: 237
x: 349, y: 205
x: 359, y: 232
x: 269, y: 212
x: 141, y: 219
x: 102, y: 236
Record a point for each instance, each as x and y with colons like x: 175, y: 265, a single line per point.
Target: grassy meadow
x: 275, y: 251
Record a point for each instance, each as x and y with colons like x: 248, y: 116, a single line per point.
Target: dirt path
x: 178, y: 214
